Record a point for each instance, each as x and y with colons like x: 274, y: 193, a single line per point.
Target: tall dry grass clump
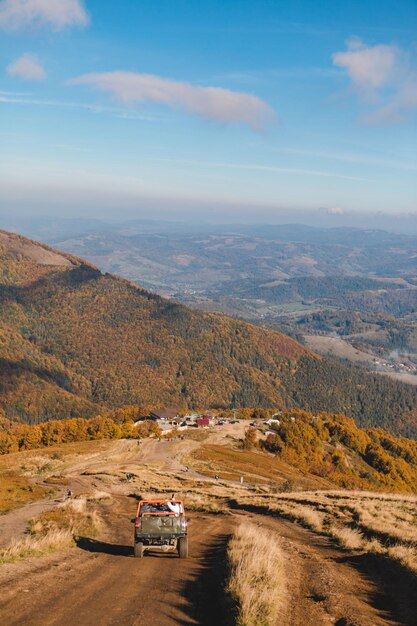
x: 308, y: 517
x: 75, y: 516
x: 36, y: 546
x: 257, y: 576
x: 348, y: 538
x: 406, y: 555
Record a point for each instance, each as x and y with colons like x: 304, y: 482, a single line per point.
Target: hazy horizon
x: 35, y: 225
x: 238, y: 114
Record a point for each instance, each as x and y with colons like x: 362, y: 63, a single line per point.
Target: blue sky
x: 242, y: 107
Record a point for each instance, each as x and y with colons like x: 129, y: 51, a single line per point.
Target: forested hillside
x: 332, y: 446
x: 74, y: 342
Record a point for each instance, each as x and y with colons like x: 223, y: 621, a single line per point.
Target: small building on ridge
x: 164, y: 414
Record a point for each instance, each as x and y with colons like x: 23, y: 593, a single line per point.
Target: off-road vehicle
x: 161, y: 525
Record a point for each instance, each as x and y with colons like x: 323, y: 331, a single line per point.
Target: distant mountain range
x: 75, y: 341
x: 205, y: 261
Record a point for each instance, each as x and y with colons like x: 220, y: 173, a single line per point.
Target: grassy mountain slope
x: 73, y: 341
x: 315, y: 451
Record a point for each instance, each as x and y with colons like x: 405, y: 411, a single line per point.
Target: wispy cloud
x: 384, y: 76
x: 15, y: 94
x: 58, y: 14
x: 27, y: 67
x: 336, y: 210
x: 352, y: 158
x: 214, y: 103
x: 287, y: 73
x: 265, y: 168
x: 27, y: 100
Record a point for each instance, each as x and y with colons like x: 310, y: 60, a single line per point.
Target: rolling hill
x: 76, y: 342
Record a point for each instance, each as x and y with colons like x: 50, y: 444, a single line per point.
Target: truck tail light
x: 137, y: 523
x: 184, y: 523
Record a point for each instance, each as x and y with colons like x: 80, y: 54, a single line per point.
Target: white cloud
x: 337, y: 210
x: 368, y: 68
x: 384, y: 75
x: 214, y: 103
x: 27, y: 67
x: 17, y: 14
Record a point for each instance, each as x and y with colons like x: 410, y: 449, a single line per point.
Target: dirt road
x: 100, y: 583
x: 330, y: 586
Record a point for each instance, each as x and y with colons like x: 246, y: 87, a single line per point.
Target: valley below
x: 355, y: 284
x: 336, y: 346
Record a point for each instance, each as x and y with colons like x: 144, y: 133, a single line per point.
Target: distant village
x: 169, y: 419
x: 396, y: 366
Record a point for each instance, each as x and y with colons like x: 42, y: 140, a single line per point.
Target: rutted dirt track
x: 100, y: 583
x: 329, y: 586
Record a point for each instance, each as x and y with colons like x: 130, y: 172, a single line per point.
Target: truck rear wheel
x: 183, y: 547
x: 138, y: 549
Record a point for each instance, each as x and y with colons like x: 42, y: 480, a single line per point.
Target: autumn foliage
x: 15, y: 437
x: 332, y: 446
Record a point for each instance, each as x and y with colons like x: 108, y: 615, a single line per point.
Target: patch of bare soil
x: 14, y: 523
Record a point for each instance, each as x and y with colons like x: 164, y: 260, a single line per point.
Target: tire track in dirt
x: 329, y: 586
x: 100, y: 582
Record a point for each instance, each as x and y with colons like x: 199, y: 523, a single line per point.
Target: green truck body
x: 155, y: 525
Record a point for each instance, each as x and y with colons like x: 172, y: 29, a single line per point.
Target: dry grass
x: 204, y: 503
x: 54, y: 530
x: 58, y: 452
x: 75, y: 516
x: 406, y: 555
x: 348, y: 538
x: 36, y: 546
x: 99, y: 496
x: 257, y: 577
x: 16, y: 491
x: 256, y: 467
x: 41, y: 464
x: 308, y: 517
x: 358, y: 520
x: 196, y: 434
